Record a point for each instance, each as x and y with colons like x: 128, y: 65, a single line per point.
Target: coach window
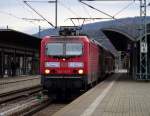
x: 73, y: 49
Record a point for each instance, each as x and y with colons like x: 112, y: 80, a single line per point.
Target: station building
x: 19, y: 53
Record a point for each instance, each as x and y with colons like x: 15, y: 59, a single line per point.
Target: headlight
x: 75, y: 64
x: 80, y: 71
x: 52, y: 64
x: 47, y: 71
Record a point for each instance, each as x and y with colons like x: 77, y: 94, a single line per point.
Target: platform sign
x: 143, y: 47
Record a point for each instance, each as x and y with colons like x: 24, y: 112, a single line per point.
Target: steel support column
x: 143, y: 69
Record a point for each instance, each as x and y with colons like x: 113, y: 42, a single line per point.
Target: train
x: 73, y: 63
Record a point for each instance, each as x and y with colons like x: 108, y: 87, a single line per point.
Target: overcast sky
x: 12, y: 12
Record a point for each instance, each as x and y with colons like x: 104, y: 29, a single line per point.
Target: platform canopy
x: 12, y: 37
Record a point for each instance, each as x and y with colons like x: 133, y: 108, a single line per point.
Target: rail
x: 21, y: 106
x: 15, y: 81
x: 5, y: 97
x: 14, y: 84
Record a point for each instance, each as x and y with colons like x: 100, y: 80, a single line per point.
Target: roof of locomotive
x: 84, y: 38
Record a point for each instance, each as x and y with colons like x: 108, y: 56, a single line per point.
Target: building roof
x: 12, y: 37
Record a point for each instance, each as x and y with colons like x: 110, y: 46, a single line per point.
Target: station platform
x: 118, y: 95
x: 18, y: 82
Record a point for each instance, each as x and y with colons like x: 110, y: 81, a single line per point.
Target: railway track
x: 22, y: 106
x: 18, y: 87
x: 5, y: 97
x: 9, y: 81
x: 51, y: 109
x: 36, y: 105
x: 29, y: 101
x: 20, y: 101
x: 11, y: 85
x: 25, y: 101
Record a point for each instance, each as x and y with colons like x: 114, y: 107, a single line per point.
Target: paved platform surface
x: 116, y: 96
x: 15, y: 83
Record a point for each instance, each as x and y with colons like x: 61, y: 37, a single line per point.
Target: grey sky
x: 11, y: 12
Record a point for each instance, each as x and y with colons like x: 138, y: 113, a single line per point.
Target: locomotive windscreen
x: 64, y: 49
x: 73, y: 49
x: 54, y: 49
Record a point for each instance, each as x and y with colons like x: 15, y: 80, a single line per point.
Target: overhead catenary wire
x: 77, y: 16
x: 102, y: 11
x: 86, y: 19
x: 41, y: 1
x: 123, y: 9
x: 14, y: 16
x: 19, y: 18
x: 97, y: 9
x: 31, y: 20
x: 38, y: 13
x: 69, y: 9
x: 86, y: 11
x: 10, y: 14
x: 24, y: 6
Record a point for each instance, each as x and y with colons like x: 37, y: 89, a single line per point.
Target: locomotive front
x: 63, y: 63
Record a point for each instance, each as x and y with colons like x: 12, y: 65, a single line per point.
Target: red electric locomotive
x: 71, y: 62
